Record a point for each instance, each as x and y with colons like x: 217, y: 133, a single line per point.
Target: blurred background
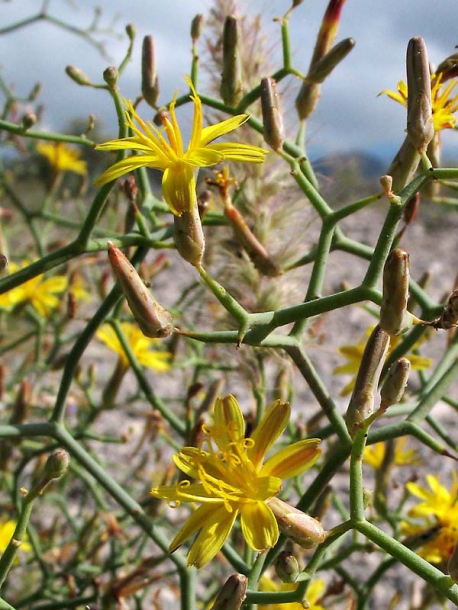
x: 350, y: 116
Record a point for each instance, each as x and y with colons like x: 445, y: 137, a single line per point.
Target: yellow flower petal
x: 167, y: 153
x: 179, y: 187
x: 228, y: 420
x: 212, y: 536
x: 259, y: 526
x: 212, y: 132
x: 293, y: 460
x: 268, y: 430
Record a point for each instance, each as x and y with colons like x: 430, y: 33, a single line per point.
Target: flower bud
x: 231, y: 78
x: 150, y: 82
x: 287, y: 567
x: 324, y: 66
x: 36, y: 90
x: 395, y: 383
x: 452, y: 566
x: 77, y: 75
x: 197, y: 25
x: 306, y: 531
x: 394, y: 316
x: 362, y: 399
x: 56, y: 465
x: 410, y: 212
x: 154, y: 321
x: 110, y: 76
x: 189, y: 236
x: 29, y: 120
x: 232, y: 594
x: 309, y: 93
x: 274, y: 132
x: 131, y: 31
x: 448, y: 68
x: 420, y: 127
x: 404, y: 165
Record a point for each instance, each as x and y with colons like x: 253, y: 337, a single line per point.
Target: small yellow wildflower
x: 40, y: 292
x: 7, y: 528
x: 62, y: 158
x: 314, y: 593
x: 443, y: 97
x: 179, y: 166
x: 439, y: 507
x: 142, y: 347
x: 234, y: 480
x: 354, y: 354
x: 374, y: 454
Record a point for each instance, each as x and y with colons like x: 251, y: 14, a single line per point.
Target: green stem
x: 437, y: 579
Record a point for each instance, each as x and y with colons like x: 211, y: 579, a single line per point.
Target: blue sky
x: 350, y: 115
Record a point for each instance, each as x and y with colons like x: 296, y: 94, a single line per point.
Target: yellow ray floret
x: 163, y: 149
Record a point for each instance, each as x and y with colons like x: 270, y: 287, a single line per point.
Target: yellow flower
x: 179, y: 166
x: 443, y: 97
x: 439, y: 507
x: 7, y: 528
x: 234, y: 480
x: 62, y: 158
x: 40, y: 292
x: 354, y: 354
x: 142, y: 347
x: 314, y: 592
x: 374, y: 454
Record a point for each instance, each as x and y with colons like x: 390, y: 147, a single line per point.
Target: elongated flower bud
x: 150, y: 82
x: 77, y: 75
x: 131, y: 31
x: 306, y: 531
x: 394, y: 316
x: 324, y: 66
x: 233, y: 593
x: 395, y: 383
x: 154, y: 321
x: 189, y: 236
x: 420, y: 128
x: 197, y: 25
x: 287, y: 567
x: 362, y: 399
x: 309, y: 93
x: 274, y: 132
x: 231, y: 78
